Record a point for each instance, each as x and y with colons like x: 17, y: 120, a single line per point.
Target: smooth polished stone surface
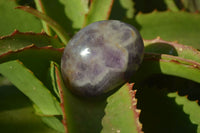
x: 101, y: 56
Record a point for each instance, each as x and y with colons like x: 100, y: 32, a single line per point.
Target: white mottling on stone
x: 99, y: 52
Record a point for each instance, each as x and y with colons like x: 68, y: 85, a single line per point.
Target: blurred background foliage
x: 172, y: 20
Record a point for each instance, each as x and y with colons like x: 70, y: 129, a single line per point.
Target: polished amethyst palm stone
x: 101, y: 56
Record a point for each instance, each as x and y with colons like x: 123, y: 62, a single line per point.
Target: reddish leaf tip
x: 130, y: 85
x: 15, y: 32
x: 158, y: 38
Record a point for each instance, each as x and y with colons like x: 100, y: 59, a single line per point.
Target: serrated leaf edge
x: 32, y: 47
x: 15, y: 32
x: 175, y: 44
x: 174, y: 59
x: 167, y: 11
x: 60, y: 84
x: 134, y: 107
x: 187, y: 112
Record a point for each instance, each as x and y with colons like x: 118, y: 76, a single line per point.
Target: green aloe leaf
x: 170, y: 26
x: 122, y: 9
x: 54, y: 82
x: 58, y: 89
x: 189, y: 107
x: 169, y: 65
x: 27, y: 83
x: 9, y: 95
x: 191, y: 5
x: 159, y: 113
x: 55, y: 26
x: 69, y: 14
x: 18, y: 40
x: 99, y: 10
x: 35, y: 50
x: 121, y: 113
x: 54, y: 123
x: 17, y: 113
x: 36, y: 59
x: 22, y: 120
x: 46, y: 27
x: 82, y: 115
x: 172, y: 48
x: 12, y: 19
x: 171, y: 5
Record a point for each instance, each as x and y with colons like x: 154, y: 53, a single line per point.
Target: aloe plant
x: 162, y: 96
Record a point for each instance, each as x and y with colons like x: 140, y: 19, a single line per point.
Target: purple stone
x: 101, y: 57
